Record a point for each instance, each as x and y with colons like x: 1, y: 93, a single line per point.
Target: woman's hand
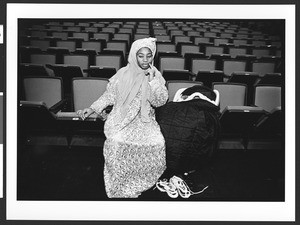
x: 85, y: 113
x: 151, y: 73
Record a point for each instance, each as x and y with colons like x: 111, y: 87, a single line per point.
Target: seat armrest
x: 58, y: 106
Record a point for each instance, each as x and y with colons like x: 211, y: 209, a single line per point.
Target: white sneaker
x: 182, y: 188
x: 165, y: 186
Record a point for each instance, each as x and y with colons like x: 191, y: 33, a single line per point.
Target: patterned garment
x: 134, y: 151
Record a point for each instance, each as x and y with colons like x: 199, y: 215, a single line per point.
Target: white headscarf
x: 132, y: 78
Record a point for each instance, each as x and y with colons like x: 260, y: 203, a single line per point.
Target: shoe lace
x: 182, y: 187
x: 176, y: 186
x: 165, y: 186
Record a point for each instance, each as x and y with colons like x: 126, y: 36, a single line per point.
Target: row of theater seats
x: 149, y: 28
x: 172, y: 68
x: 44, y: 97
x: 175, y: 34
x: 231, y: 94
x: 191, y: 51
x: 198, y: 45
x: 180, y: 44
x: 193, y: 62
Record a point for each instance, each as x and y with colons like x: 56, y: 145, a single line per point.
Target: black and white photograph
x: 158, y: 112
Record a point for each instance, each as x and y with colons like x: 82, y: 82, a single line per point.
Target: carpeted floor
x: 61, y: 173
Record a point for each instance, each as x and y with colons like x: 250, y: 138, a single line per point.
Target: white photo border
x: 143, y: 211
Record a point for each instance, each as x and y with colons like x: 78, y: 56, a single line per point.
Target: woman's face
x: 144, y: 58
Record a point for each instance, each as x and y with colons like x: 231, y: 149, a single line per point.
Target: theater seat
x: 48, y: 90
x: 38, y: 125
x: 87, y: 90
x: 267, y: 96
x: 237, y: 122
x: 231, y: 94
x: 88, y: 132
x: 174, y: 85
x: 268, y: 131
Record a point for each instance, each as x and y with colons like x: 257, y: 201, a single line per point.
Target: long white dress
x: 134, y: 151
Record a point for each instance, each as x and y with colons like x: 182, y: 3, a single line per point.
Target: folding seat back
x: 231, y: 94
x: 203, y: 64
x: 70, y: 45
x: 73, y: 28
x: 83, y: 35
x: 62, y: 35
x: 238, y: 42
x: 43, y: 89
x: 163, y: 37
x: 176, y: 33
x: 182, y: 38
x: 268, y: 97
x: 201, y: 29
x: 83, y: 24
x: 92, y: 45
x: 68, y: 23
x: 209, y: 50
x: 112, y: 30
x: 113, y: 61
x: 260, y: 52
x: 140, y: 36
x: 91, y: 29
x: 226, y: 35
x: 174, y: 85
x: 142, y: 31
x: 229, y: 30
x: 234, y: 51
x: 218, y: 41
x: 199, y: 40
x: 117, y: 45
x: 77, y: 60
x: 263, y: 68
x: 42, y: 44
x: 38, y: 33
x: 230, y: 66
x: 125, y: 31
x: 43, y: 59
x: 210, y: 34
x: 102, y: 35
x: 114, y: 25
x: 159, y: 32
x: 171, y: 63
x: 56, y: 28
x: 128, y: 26
x: 165, y: 47
x: 258, y: 43
x: 122, y: 36
x: 186, y: 48
x: 87, y: 90
x: 192, y: 33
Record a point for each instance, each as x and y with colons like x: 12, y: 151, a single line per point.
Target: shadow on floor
x: 60, y: 173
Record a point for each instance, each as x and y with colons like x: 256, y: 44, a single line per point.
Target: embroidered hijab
x: 132, y: 78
